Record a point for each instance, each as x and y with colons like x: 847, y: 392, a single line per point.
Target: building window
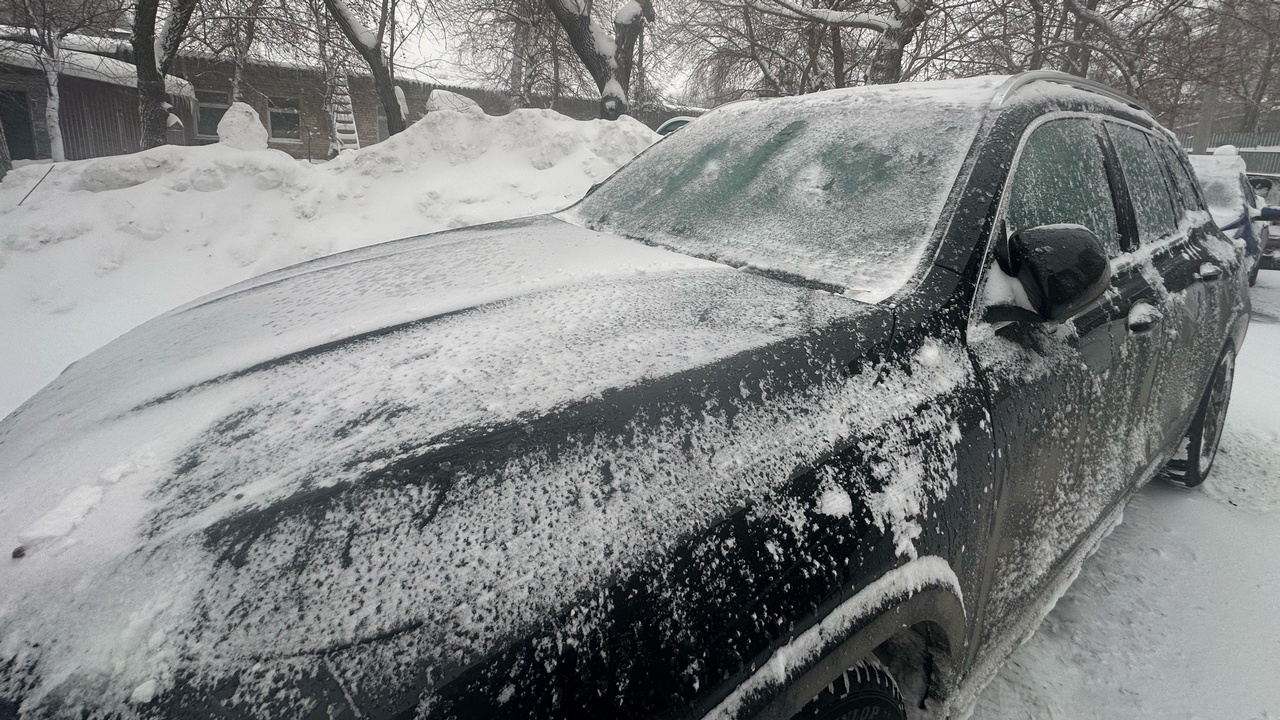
x: 211, y: 105
x: 283, y: 119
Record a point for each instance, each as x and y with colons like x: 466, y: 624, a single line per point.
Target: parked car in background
x: 673, y: 124
x: 811, y: 410
x: 1267, y: 186
x: 1233, y: 201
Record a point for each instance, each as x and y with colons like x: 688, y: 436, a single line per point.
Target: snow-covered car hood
x: 265, y: 472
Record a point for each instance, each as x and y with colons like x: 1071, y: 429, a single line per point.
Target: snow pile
x: 242, y: 129
x: 101, y: 245
x: 445, y: 100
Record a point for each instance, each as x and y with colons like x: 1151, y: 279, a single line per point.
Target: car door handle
x: 1209, y: 271
x: 1143, y: 317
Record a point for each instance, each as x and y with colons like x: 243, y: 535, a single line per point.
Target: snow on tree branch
x: 352, y: 27
x: 797, y: 11
x: 608, y: 58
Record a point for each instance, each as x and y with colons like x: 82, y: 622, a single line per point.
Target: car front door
x: 1062, y: 395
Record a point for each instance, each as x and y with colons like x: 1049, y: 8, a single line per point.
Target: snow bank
x: 101, y: 245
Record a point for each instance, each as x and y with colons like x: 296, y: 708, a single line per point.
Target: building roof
x: 87, y: 66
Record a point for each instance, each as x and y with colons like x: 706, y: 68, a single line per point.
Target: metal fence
x: 1262, y: 162
x: 1240, y: 140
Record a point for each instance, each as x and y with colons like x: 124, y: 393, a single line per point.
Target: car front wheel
x: 1191, y: 465
x: 865, y: 691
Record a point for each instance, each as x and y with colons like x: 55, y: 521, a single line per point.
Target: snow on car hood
x: 115, y: 479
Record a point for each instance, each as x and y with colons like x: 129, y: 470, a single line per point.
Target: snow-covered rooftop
x: 87, y: 66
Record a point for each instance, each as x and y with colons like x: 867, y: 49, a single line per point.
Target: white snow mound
x: 102, y: 245
x: 242, y: 129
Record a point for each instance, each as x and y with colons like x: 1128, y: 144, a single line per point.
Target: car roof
x: 987, y: 93
x: 1021, y: 81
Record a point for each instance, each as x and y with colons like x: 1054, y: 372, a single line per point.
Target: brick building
x: 98, y: 108
x: 99, y: 105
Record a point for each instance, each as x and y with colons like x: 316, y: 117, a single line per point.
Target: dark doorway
x: 15, y: 116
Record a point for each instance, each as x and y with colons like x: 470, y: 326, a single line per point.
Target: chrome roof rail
x: 1017, y: 82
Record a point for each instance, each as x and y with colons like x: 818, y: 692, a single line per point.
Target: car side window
x: 1061, y: 178
x: 1144, y: 176
x: 1247, y: 192
x: 1185, y: 196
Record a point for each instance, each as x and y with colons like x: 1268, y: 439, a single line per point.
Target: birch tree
x: 6, y: 161
x: 45, y: 24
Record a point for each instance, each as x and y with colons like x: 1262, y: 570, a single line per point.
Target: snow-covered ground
x: 99, y: 246
x: 1178, y: 614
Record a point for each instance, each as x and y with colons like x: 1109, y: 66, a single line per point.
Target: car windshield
x: 1220, y: 179
x: 840, y: 189
x: 1222, y: 192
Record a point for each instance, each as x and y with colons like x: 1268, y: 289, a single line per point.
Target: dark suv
x: 809, y: 411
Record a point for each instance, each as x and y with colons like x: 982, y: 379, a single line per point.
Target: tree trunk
x: 1079, y: 56
x: 241, y: 45
x: 52, y: 106
x: 1204, y: 126
x: 1036, y: 61
x: 1253, y: 112
x: 152, y: 112
x: 555, y: 80
x: 370, y: 48
x: 886, y: 64
x: 519, y: 47
x: 837, y: 56
x: 6, y: 161
x: 612, y: 75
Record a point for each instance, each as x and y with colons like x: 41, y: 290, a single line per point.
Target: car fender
x: 923, y: 590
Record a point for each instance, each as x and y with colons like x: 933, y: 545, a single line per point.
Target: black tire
x: 1200, y: 446
x: 865, y: 691
x: 1253, y: 274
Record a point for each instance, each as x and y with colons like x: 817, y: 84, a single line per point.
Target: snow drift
x: 101, y: 245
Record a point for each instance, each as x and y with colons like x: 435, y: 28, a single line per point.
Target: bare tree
x: 896, y: 23
x: 516, y: 45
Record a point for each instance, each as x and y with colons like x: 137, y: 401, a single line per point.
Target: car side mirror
x: 1062, y: 268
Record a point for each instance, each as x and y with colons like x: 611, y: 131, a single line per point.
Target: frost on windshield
x: 842, y: 189
x: 1219, y: 177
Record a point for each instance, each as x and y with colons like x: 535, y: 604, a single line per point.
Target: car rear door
x: 1193, y: 270
x: 1062, y: 396
x: 1179, y: 270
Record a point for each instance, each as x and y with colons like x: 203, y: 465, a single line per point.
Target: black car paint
x: 673, y: 640
x: 675, y: 637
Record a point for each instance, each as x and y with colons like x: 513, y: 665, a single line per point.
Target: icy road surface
x: 1178, y: 614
